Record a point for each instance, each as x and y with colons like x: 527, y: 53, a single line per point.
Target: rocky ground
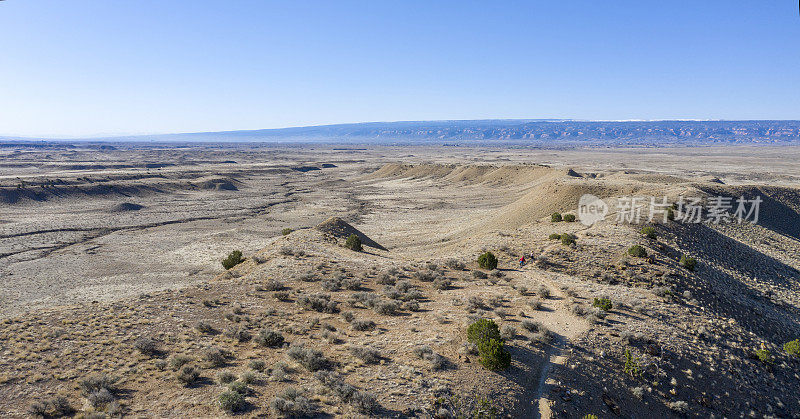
x: 306, y: 326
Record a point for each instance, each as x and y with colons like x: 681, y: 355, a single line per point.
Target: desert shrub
x: 215, y: 357
x: 178, y: 361
x: 765, y: 356
x: 332, y: 285
x: 493, y: 355
x: 273, y: 285
x: 240, y: 334
x: 631, y: 365
x: 386, y: 279
x: 679, y: 406
x: 426, y: 276
x: 269, y: 338
x: 521, y: 289
x: 226, y: 377
x: 487, y: 261
x: 318, y: 302
x: 792, y: 347
x: 100, y: 398
x: 352, y: 284
x: 479, y: 274
x: 483, y: 330
x: 543, y: 336
x: 567, y: 239
x: 603, y: 304
x: 532, y: 326
x: 309, y: 277
x: 98, y: 382
x: 366, y: 299
x: 474, y: 303
x: 570, y: 218
x: 535, y: 303
x: 388, y: 308
x: 353, y: 243
x: 205, y: 327
x: 649, y: 232
x: 290, y: 403
x: 555, y: 217
x: 257, y: 365
x: 231, y: 401
x: 188, y: 375
x: 37, y: 409
x: 442, y: 284
x: 670, y: 214
x: 367, y: 354
x: 688, y: 262
x: 239, y: 387
x: 637, y: 251
x: 286, y: 231
x: 455, y: 264
x: 508, y: 332
x: 362, y: 402
x: 554, y: 236
x: 543, y: 291
x: 362, y: 325
x: 311, y: 359
x: 279, y: 371
x: 234, y: 258
x: 411, y: 305
x: 146, y: 346
x: 249, y: 377
x: 282, y: 295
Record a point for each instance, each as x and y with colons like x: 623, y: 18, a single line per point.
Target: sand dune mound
x: 471, y: 174
x: 340, y: 229
x: 218, y: 183
x: 126, y: 206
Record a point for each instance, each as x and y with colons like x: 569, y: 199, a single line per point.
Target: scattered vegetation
x: 286, y: 231
x: 269, y: 338
x: 487, y: 261
x: 637, y: 251
x: 567, y: 239
x: 353, y: 243
x: 554, y: 236
x: 792, y: 347
x: 649, y: 232
x: 234, y: 258
x: 688, y: 262
x: 631, y: 365
x: 570, y: 218
x: 556, y: 217
x: 310, y: 359
x: 231, y: 401
x: 491, y: 350
x: 603, y: 304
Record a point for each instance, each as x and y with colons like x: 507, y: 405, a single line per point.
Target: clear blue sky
x: 78, y: 67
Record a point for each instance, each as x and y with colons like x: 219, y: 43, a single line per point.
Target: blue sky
x: 74, y: 68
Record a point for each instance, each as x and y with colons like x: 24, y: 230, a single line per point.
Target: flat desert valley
x: 114, y: 300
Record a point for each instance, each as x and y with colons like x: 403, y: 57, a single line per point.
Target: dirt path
x: 566, y: 326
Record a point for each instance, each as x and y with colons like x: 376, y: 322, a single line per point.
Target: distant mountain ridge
x: 543, y: 132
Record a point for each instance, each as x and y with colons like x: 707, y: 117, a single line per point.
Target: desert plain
x: 114, y: 301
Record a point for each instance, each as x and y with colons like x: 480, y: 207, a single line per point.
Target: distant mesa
x: 305, y: 168
x: 126, y: 206
x: 340, y: 229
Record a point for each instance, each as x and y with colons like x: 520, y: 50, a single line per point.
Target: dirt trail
x: 566, y: 326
